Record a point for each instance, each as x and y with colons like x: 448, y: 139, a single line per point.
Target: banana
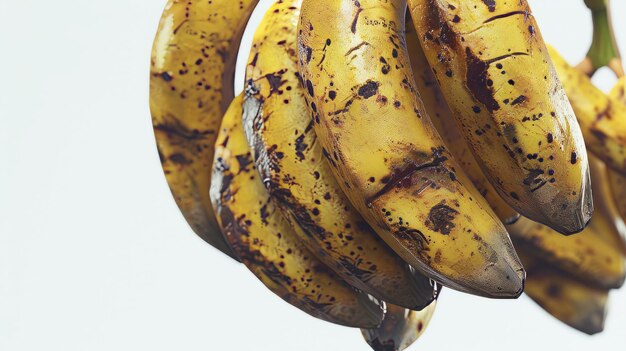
x: 607, y: 221
x: 400, y: 328
x: 603, y: 122
x: 387, y: 156
x: 576, y: 304
x: 618, y: 181
x: 191, y: 85
x: 443, y: 121
x: 585, y: 255
x: 293, y: 168
x: 266, y: 243
x: 520, y: 127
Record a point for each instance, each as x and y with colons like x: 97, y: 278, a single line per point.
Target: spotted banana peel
x: 618, y: 181
x: 520, y: 127
x: 292, y: 166
x: 399, y: 329
x: 266, y: 243
x: 575, y: 303
x: 192, y: 71
x: 386, y: 154
x: 441, y: 116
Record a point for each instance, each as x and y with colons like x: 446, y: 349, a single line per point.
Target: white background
x: 94, y: 254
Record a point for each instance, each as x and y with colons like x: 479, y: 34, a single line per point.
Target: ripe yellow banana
x: 191, y: 85
x: 520, y: 127
x: 574, y: 303
x: 294, y: 170
x: 387, y: 156
x: 266, y: 243
x: 400, y: 328
x: 443, y: 121
x: 602, y: 121
x: 607, y: 221
x: 618, y: 181
x: 585, y: 255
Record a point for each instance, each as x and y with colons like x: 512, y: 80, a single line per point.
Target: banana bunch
x: 383, y: 149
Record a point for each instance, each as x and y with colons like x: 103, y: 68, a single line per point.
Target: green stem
x: 603, y: 51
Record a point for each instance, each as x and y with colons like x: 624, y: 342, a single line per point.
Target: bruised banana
x: 602, y: 120
x: 574, y: 303
x: 399, y: 329
x: 191, y: 85
x: 520, y: 127
x: 443, y: 121
x: 585, y: 255
x: 266, y: 243
x: 293, y: 168
x: 386, y: 154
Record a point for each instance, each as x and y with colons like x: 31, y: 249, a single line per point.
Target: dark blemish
x: 397, y: 104
x: 244, y: 161
x: 332, y: 94
x: 477, y: 81
x: 550, y: 138
x: 554, y: 291
x: 573, y: 158
x: 355, y: 20
x: 456, y: 19
x: 508, y: 14
x: 368, y: 89
x: 166, y: 77
x: 531, y: 29
x: 300, y: 147
x: 386, y: 67
x: 309, y: 87
x: 394, y: 53
x: 449, y: 73
x: 491, y: 5
x: 511, y: 81
x: 440, y: 219
x: 499, y: 66
x: 476, y: 109
x: 514, y: 195
x: 520, y: 99
x: 533, y: 174
x: 309, y: 53
x: 180, y: 159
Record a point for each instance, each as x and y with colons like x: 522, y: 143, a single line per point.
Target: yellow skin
x: 520, y: 127
x: 400, y: 328
x: 443, y: 121
x: 617, y: 181
x: 607, y: 221
x: 386, y: 154
x: 602, y: 121
x: 294, y: 170
x: 266, y: 243
x: 585, y: 255
x: 574, y: 303
x: 191, y: 85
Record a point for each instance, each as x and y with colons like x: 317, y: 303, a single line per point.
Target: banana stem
x: 604, y: 50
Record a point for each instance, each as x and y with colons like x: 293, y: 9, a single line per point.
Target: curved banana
x: 293, y: 168
x: 602, y: 121
x: 443, y: 121
x: 585, y: 255
x: 387, y: 156
x: 400, y: 328
x: 607, y: 221
x: 266, y: 243
x: 574, y: 303
x: 191, y: 85
x: 520, y: 127
x: 618, y: 181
